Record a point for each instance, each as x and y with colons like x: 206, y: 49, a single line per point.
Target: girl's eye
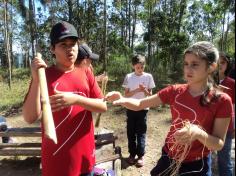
x: 185, y: 64
x: 194, y: 65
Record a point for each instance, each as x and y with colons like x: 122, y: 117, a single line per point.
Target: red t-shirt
x: 230, y: 84
x: 75, y: 152
x: 185, y: 107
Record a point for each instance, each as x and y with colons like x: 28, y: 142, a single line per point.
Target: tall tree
x: 104, y: 48
x: 6, y: 41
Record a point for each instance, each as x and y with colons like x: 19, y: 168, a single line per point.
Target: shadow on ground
x: 15, y: 167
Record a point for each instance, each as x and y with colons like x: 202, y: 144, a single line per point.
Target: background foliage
x: 116, y: 29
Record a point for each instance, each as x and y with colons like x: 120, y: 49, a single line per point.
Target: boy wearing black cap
x: 85, y: 58
x: 72, y: 99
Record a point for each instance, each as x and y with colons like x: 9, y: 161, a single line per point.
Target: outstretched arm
x: 133, y: 104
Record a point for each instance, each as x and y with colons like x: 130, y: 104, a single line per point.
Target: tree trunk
x: 181, y: 13
x: 150, y: 35
x: 7, y: 46
x: 129, y: 23
x: 134, y: 27
x: 222, y: 33
x: 32, y: 26
x: 70, y: 5
x: 226, y: 36
x: 105, y: 36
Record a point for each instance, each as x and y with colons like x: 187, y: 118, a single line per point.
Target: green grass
x: 14, y: 97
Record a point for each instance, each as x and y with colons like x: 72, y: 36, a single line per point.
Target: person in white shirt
x: 138, y: 85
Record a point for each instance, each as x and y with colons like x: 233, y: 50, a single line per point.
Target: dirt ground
x: 114, y: 119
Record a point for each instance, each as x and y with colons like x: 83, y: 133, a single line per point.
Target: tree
x: 6, y: 42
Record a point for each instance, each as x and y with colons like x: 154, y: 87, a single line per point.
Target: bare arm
x: 133, y: 104
x: 32, y: 106
x: 217, y: 139
x: 214, y: 141
x: 64, y: 99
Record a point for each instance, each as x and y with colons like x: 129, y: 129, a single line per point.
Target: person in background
x: 138, y: 85
x: 225, y: 163
x: 86, y: 57
x: 200, y: 112
x: 232, y: 71
x: 72, y: 100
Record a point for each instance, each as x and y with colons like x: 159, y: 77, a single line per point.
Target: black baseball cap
x: 61, y: 31
x: 84, y: 51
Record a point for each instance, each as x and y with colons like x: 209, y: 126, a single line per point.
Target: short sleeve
x: 125, y: 82
x: 225, y: 107
x: 167, y: 94
x: 151, y: 83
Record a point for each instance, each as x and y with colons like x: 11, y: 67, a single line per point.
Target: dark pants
x: 195, y: 168
x: 136, y: 132
x: 225, y: 163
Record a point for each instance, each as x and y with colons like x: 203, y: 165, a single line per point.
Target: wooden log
x: 20, y: 152
x: 106, y: 141
x: 20, y: 145
x: 22, y: 132
x: 108, y: 158
x: 34, y: 148
x: 48, y: 123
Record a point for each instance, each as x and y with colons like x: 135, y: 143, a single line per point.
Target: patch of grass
x: 14, y: 97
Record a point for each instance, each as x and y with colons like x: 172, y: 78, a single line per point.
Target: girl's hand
x: 113, y: 96
x: 61, y: 100
x: 35, y: 65
x: 187, y: 134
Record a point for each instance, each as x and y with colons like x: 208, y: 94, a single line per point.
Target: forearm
x: 211, y: 142
x: 91, y: 104
x: 132, y: 104
x: 32, y: 107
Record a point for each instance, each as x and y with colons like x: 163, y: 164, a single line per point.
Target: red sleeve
x: 167, y: 94
x: 225, y: 107
x: 230, y: 84
x: 95, y: 91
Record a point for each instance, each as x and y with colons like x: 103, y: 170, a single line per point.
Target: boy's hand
x: 142, y: 87
x: 61, y: 100
x: 113, y: 96
x: 35, y: 65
